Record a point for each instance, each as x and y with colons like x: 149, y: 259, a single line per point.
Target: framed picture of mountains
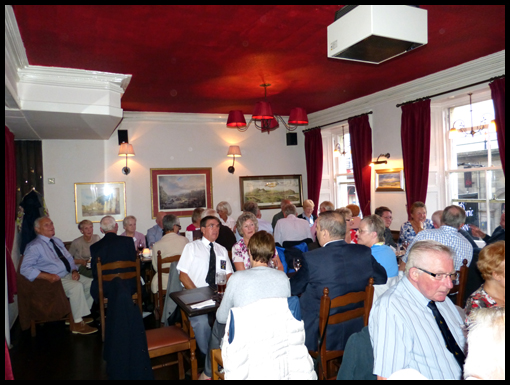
x: 269, y: 190
x: 179, y: 191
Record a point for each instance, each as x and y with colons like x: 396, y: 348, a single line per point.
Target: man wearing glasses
x: 414, y: 325
x: 199, y: 262
x: 171, y: 244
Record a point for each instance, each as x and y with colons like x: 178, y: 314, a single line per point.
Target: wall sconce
x: 127, y: 150
x: 233, y: 151
x: 387, y: 156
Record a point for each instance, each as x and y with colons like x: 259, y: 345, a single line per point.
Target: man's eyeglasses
x: 441, y: 276
x: 179, y: 226
x: 211, y: 226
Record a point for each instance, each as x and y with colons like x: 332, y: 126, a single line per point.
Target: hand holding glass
x: 297, y: 263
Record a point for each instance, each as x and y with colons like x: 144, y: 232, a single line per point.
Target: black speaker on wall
x: 291, y: 139
x: 123, y: 136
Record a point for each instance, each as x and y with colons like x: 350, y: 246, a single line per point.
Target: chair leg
x: 181, y: 366
x: 101, y: 311
x: 193, y: 360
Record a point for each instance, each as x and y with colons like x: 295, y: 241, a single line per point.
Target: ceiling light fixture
x: 264, y: 119
x: 459, y: 126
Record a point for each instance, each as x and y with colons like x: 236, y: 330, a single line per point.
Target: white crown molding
x: 467, y: 73
x: 175, y: 117
x: 74, y: 78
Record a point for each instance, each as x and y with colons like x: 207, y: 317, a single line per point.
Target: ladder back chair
x: 161, y: 295
x: 103, y: 275
x: 326, y: 319
x: 460, y: 287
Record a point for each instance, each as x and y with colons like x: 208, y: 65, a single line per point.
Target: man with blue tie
x: 47, y: 258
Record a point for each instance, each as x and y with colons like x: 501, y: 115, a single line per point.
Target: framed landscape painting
x: 269, y: 190
x: 179, y: 191
x: 93, y: 201
x: 389, y: 180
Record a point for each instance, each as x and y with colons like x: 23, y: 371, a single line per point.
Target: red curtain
x: 498, y: 98
x: 361, y: 145
x: 313, y: 153
x: 415, y: 134
x: 10, y: 211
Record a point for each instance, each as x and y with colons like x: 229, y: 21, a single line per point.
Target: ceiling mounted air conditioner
x: 376, y: 33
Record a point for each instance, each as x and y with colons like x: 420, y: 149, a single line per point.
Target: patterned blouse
x: 240, y: 254
x: 478, y: 300
x: 407, y: 232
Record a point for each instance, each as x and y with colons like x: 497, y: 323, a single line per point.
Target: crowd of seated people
x: 348, y: 251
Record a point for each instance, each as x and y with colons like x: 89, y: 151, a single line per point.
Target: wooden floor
x: 57, y: 354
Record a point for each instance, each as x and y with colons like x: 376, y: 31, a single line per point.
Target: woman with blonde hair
x: 307, y: 214
x: 491, y: 264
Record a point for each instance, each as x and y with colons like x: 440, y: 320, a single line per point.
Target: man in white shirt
x: 291, y: 228
x: 197, y: 268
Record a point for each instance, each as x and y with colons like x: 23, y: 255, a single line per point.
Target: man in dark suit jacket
x: 111, y: 248
x: 497, y: 235
x: 339, y: 266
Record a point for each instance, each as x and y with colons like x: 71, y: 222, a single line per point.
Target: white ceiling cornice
x: 75, y: 78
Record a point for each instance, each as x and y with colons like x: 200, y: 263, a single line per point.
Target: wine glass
x: 271, y: 264
x: 140, y: 248
x: 297, y: 263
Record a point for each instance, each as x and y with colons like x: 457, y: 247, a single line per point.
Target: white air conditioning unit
x: 376, y: 33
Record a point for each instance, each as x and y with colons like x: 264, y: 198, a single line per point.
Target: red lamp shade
x: 263, y: 110
x: 236, y: 119
x: 298, y: 116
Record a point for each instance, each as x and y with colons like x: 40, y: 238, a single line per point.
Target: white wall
x: 164, y: 141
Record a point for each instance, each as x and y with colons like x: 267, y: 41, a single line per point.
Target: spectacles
x: 212, y: 226
x: 179, y: 226
x: 441, y: 276
x: 363, y: 231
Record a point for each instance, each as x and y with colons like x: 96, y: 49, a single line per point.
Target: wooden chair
x: 325, y: 319
x: 460, y: 287
x: 216, y: 360
x: 172, y: 339
x: 161, y: 294
x: 101, y: 276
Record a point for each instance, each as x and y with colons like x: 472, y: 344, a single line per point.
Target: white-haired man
x: 414, y: 325
x: 291, y: 228
x: 47, y: 258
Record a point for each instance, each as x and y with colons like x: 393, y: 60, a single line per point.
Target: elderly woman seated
x: 307, y: 214
x: 491, y: 264
x: 80, y: 247
x: 247, y: 225
x: 224, y: 211
x: 418, y: 222
x: 129, y: 224
x: 247, y: 286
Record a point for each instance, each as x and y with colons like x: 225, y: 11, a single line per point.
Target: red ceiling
x: 212, y: 58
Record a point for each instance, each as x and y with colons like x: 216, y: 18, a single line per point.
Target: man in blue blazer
x: 112, y: 248
x: 339, y: 266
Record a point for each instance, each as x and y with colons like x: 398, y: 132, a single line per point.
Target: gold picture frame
x: 179, y: 191
x: 389, y: 179
x: 93, y: 201
x: 269, y: 190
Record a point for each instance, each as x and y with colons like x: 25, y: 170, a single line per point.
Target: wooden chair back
x: 325, y: 319
x: 216, y: 360
x: 160, y: 303
x: 460, y: 287
x: 103, y: 275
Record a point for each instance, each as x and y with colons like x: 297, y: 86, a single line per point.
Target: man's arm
x: 48, y: 277
x: 187, y: 282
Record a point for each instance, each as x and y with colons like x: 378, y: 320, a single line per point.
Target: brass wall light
x: 233, y: 151
x: 127, y: 150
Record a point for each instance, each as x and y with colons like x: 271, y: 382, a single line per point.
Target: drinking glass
x: 221, y: 281
x: 297, y: 263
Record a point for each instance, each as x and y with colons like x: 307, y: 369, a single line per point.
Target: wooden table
x: 185, y: 298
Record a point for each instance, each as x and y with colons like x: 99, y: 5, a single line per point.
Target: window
x: 475, y: 176
x: 345, y: 193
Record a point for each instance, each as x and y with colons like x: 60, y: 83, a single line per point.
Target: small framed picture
x: 389, y: 180
x: 93, y: 201
x: 269, y: 190
x: 179, y: 191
